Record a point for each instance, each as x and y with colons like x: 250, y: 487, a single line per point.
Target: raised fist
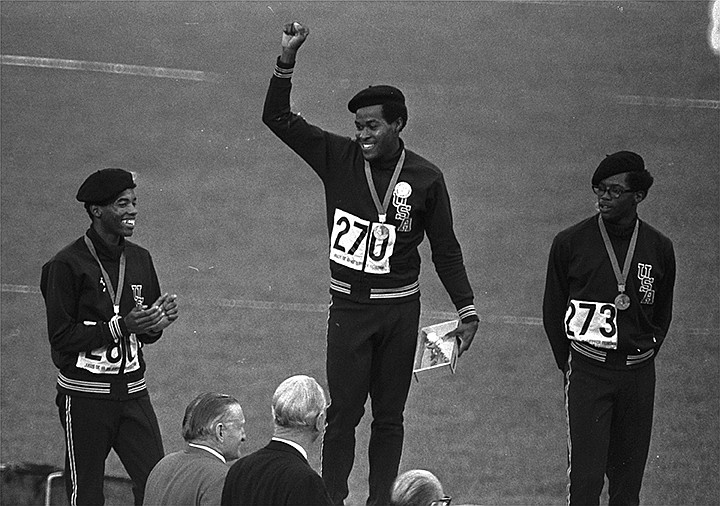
x: 294, y: 34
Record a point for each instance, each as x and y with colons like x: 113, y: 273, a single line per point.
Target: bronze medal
x: 622, y: 302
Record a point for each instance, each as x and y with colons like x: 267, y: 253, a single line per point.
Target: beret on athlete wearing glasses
x: 617, y: 163
x: 103, y: 185
x: 375, y: 95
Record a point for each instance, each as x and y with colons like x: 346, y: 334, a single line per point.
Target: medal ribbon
x: 114, y: 297
x: 382, y: 208
x: 621, y: 277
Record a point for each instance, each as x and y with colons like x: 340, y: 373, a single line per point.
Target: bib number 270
x: 592, y: 322
x: 354, y: 243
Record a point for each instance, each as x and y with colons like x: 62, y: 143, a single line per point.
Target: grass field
x: 517, y: 102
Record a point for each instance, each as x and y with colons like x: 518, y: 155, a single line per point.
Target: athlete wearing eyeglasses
x: 606, y: 311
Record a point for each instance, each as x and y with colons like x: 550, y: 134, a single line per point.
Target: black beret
x: 374, y: 95
x: 104, y: 185
x: 617, y: 163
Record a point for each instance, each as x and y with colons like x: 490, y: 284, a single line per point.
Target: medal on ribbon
x: 114, y: 323
x: 622, y: 301
x: 381, y: 232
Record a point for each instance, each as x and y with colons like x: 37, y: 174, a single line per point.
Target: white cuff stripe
x: 282, y: 73
x: 466, y: 311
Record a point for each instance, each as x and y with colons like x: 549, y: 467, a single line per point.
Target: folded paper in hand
x: 435, y: 354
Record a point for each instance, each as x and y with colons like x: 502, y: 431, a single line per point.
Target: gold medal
x: 622, y: 302
x: 381, y: 232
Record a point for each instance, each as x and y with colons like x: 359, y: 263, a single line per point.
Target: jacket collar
x: 204, y: 449
x: 105, y: 250
x: 284, y: 445
x: 390, y: 163
x: 621, y: 231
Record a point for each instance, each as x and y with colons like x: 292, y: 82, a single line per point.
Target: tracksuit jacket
x: 339, y: 163
x: 579, y: 268
x: 94, y: 358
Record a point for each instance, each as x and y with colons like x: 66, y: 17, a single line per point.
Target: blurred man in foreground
x: 418, y: 487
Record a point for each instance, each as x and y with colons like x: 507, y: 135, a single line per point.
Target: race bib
x: 592, y: 322
x: 360, y: 244
x: 107, y: 360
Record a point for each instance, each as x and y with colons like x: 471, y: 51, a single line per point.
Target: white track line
x: 322, y: 308
x: 618, y: 5
x: 110, y: 68
x: 197, y: 75
x: 20, y: 288
x: 692, y: 103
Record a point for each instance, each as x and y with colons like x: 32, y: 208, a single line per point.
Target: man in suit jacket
x: 214, y: 428
x: 279, y: 473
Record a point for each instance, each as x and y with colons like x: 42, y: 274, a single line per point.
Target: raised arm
x: 310, y: 142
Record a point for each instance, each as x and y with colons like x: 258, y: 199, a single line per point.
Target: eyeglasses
x: 615, y: 190
x: 444, y: 501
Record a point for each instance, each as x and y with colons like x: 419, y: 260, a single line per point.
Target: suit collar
x: 203, y: 449
x: 285, y: 445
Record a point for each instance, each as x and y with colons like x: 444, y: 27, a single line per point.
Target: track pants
x: 370, y: 351
x: 610, y: 414
x: 94, y: 426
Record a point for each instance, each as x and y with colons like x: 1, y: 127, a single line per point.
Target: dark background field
x: 516, y: 101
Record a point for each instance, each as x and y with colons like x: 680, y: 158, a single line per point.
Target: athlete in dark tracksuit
x: 605, y: 350
x: 102, y: 398
x: 375, y: 309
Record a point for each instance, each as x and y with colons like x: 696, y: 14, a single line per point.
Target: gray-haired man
x: 279, y: 473
x: 214, y: 429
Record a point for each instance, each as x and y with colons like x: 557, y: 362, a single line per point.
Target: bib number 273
x: 355, y: 243
x: 592, y: 322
